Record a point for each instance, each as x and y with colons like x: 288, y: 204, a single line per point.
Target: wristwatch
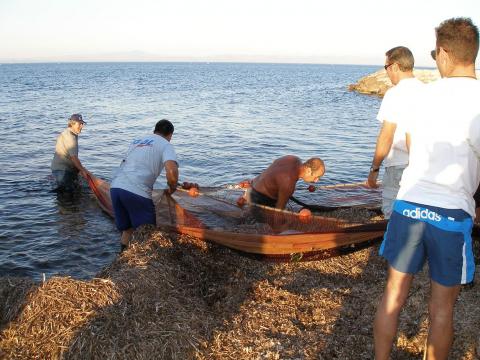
x: 374, y: 169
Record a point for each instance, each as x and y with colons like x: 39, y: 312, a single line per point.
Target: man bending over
x: 131, y: 189
x: 276, y: 184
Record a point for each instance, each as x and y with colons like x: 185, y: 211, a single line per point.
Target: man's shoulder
x: 290, y: 158
x: 162, y: 143
x: 67, y: 134
x: 407, y: 87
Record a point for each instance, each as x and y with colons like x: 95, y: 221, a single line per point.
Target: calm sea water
x: 231, y: 121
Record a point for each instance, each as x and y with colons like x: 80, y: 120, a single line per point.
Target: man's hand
x: 372, y: 180
x: 171, y: 189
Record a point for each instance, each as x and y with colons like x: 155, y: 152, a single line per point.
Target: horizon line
x: 93, y: 61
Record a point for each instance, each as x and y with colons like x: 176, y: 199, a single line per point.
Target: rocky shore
x: 378, y: 82
x: 176, y: 297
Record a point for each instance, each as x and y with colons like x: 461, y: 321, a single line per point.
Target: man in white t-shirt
x: 131, y: 189
x: 432, y: 217
x: 391, y: 148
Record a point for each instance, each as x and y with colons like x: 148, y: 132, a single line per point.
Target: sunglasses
x: 387, y: 66
x: 433, y: 54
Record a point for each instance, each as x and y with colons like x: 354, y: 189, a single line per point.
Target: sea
x: 231, y: 121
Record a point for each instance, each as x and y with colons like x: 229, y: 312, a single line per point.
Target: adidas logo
x: 422, y: 214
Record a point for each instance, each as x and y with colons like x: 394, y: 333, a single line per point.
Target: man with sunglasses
x: 391, y: 148
x: 432, y: 217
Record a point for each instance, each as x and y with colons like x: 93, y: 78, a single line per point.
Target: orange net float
x: 245, y: 184
x: 241, y: 201
x: 311, y: 188
x: 193, y: 192
x: 305, y: 215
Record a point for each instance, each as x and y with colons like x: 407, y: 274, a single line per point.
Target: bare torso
x: 278, y: 181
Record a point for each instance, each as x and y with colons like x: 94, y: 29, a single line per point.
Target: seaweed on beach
x: 177, y: 297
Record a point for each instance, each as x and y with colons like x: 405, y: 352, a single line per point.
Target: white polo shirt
x: 396, y: 101
x: 444, y: 167
x: 143, y: 163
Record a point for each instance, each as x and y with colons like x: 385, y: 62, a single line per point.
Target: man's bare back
x: 279, y: 179
x: 277, y: 183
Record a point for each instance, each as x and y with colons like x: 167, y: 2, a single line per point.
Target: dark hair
x: 459, y: 37
x: 164, y: 127
x: 402, y: 56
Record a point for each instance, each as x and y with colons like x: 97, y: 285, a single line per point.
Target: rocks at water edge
x: 378, y: 82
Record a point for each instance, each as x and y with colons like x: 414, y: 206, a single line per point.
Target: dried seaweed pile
x: 178, y: 298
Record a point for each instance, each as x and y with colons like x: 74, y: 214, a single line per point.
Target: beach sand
x: 177, y: 297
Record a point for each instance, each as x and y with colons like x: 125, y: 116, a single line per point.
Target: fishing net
x: 349, y: 220
x: 343, y: 208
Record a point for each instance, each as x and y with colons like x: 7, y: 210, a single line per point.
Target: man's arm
x: 384, y: 144
x: 285, y: 189
x: 408, y: 139
x: 282, y: 200
x: 76, y: 161
x: 171, y: 172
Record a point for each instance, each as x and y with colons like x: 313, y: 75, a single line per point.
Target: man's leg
x: 386, y: 318
x: 66, y: 180
x: 440, y: 332
x: 125, y: 239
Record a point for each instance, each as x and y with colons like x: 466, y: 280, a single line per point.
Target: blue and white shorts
x: 417, y: 233
x: 131, y: 210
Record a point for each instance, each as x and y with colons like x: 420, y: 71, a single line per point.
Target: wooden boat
x: 257, y: 230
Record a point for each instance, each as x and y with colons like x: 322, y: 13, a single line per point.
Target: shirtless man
x: 276, y: 184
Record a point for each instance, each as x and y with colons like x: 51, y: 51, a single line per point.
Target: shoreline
x: 176, y: 296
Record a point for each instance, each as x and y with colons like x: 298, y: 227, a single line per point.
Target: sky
x: 299, y: 31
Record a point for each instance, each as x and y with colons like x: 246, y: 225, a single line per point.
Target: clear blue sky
x: 341, y: 31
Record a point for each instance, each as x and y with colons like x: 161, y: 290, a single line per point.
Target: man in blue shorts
x: 131, y: 189
x: 433, y: 215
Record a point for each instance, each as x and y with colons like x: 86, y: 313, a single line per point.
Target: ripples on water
x: 231, y: 121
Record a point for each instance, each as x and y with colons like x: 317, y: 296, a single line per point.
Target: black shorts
x: 261, y: 199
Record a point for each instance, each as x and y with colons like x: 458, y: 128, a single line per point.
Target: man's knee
x: 440, y: 312
x: 397, y: 288
x: 442, y: 302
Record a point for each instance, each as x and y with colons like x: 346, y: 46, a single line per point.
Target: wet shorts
x: 416, y: 233
x: 66, y: 180
x: 261, y: 199
x: 131, y: 210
